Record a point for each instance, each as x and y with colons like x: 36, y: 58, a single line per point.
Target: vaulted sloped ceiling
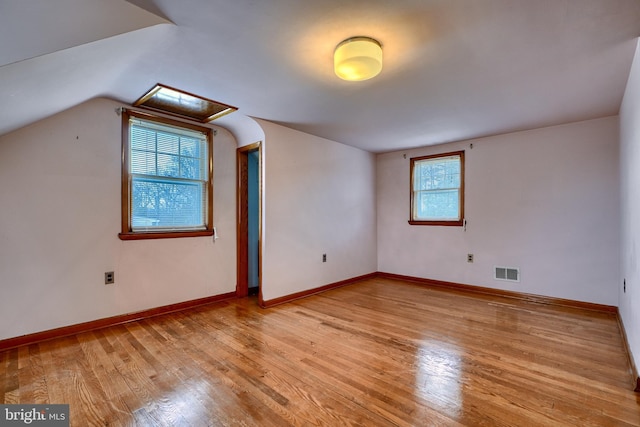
x: 453, y: 69
x: 56, y: 54
x: 32, y: 28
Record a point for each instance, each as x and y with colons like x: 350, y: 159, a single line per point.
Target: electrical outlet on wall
x: 324, y: 257
x: 469, y: 257
x: 109, y: 277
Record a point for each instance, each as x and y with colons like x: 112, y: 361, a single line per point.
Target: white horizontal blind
x: 436, y: 189
x: 168, y: 177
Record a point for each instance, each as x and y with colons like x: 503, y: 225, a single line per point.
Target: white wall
x: 319, y: 197
x: 630, y: 191
x: 59, y: 221
x: 546, y: 201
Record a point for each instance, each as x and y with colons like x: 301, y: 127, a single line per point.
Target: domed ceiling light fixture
x: 358, y: 58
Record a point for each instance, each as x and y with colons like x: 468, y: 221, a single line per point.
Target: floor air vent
x: 510, y: 274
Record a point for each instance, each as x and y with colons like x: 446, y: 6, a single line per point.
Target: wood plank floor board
x: 260, y: 375
x: 115, y: 389
x: 25, y: 375
x: 12, y: 383
x: 350, y: 372
x: 95, y: 406
x: 285, y: 342
x: 206, y: 392
x: 296, y: 382
x: 38, y: 378
x: 398, y: 392
x: 381, y: 352
x: 52, y: 369
x: 528, y: 344
x: 156, y: 386
x: 63, y: 376
x: 233, y: 381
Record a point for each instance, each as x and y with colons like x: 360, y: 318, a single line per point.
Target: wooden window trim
x: 452, y: 223
x: 126, y: 231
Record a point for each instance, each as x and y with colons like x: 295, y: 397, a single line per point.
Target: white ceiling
x: 453, y: 69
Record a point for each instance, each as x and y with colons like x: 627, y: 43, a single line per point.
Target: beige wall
x: 546, y: 201
x: 319, y: 199
x: 59, y: 220
x: 60, y: 187
x: 630, y: 189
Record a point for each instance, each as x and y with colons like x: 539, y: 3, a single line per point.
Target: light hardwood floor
x: 379, y: 352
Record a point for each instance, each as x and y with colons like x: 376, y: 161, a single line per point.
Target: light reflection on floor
x: 438, y: 371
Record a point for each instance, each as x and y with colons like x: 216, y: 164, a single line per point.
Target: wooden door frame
x: 242, y: 156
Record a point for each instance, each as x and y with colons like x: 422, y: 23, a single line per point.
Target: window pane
x: 190, y: 147
x: 142, y: 139
x: 437, y: 205
x: 157, y: 203
x: 143, y: 162
x: 437, y: 174
x: 168, y: 165
x: 168, y: 143
x: 190, y: 168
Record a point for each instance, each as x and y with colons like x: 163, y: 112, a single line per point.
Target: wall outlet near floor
x: 624, y: 286
x: 324, y: 257
x: 109, y: 277
x: 469, y: 257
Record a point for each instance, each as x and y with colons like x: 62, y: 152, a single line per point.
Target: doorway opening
x: 249, y: 221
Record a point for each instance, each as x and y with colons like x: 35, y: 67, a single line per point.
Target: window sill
x: 164, y: 235
x: 457, y: 223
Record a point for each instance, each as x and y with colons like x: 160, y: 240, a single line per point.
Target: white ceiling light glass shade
x: 358, y: 58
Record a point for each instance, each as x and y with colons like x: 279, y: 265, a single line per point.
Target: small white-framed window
x: 437, y: 189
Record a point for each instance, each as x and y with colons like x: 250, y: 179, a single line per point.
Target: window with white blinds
x: 437, y: 189
x: 168, y: 176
